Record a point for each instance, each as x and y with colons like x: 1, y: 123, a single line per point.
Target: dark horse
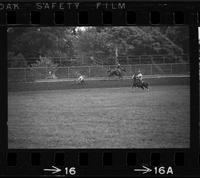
x: 116, y: 72
x: 137, y: 83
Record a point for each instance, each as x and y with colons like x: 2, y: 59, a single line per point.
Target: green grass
x: 100, y: 118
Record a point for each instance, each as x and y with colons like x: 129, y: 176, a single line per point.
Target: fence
x: 88, y: 61
x: 33, y: 74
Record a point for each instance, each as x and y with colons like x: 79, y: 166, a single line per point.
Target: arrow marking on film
x: 54, y: 170
x: 144, y: 170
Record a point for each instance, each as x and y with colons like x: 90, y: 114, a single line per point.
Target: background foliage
x: 27, y: 45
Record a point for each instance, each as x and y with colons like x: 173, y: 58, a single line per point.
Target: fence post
x: 108, y: 69
x: 46, y: 72
x: 25, y: 74
x: 171, y: 68
x: 82, y: 60
x: 151, y: 69
x: 89, y: 71
x: 131, y: 70
x: 68, y: 72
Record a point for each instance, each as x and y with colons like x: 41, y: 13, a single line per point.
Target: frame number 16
x: 70, y: 171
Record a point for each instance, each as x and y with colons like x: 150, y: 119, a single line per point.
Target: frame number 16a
x: 163, y: 170
x: 156, y: 170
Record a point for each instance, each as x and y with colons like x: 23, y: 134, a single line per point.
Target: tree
x: 97, y: 45
x: 33, y: 42
x: 103, y: 42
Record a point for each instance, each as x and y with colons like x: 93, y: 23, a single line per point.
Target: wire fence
x: 89, y: 61
x: 39, y: 73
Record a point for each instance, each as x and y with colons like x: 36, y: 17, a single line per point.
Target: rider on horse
x: 139, y: 76
x: 138, y: 81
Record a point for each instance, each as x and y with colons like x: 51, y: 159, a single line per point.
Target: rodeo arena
x: 156, y: 70
x: 134, y: 101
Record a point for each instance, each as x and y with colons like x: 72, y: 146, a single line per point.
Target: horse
x: 81, y: 82
x: 116, y: 72
x: 137, y: 83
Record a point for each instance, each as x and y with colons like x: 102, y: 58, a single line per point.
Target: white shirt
x: 139, y: 76
x: 81, y: 78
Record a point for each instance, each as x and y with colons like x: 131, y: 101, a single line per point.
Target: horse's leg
x: 142, y: 87
x: 84, y: 82
x: 145, y: 85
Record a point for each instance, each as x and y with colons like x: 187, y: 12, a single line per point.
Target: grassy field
x: 100, y: 118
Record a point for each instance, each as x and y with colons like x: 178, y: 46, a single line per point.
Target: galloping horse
x: 116, y: 72
x: 139, y: 84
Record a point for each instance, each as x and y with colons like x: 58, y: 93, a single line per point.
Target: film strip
x: 105, y: 13
x: 97, y: 161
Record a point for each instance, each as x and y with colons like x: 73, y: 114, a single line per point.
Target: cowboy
x: 139, y: 76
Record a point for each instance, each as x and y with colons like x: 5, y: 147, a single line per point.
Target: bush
x: 46, y: 67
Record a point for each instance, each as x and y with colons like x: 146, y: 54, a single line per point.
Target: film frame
x: 103, y: 162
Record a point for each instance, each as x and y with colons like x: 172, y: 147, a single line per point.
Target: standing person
x: 80, y: 78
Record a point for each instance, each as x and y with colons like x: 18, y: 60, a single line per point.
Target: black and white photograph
x: 96, y: 87
x: 199, y: 76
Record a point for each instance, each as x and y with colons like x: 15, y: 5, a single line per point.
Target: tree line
x: 27, y: 45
